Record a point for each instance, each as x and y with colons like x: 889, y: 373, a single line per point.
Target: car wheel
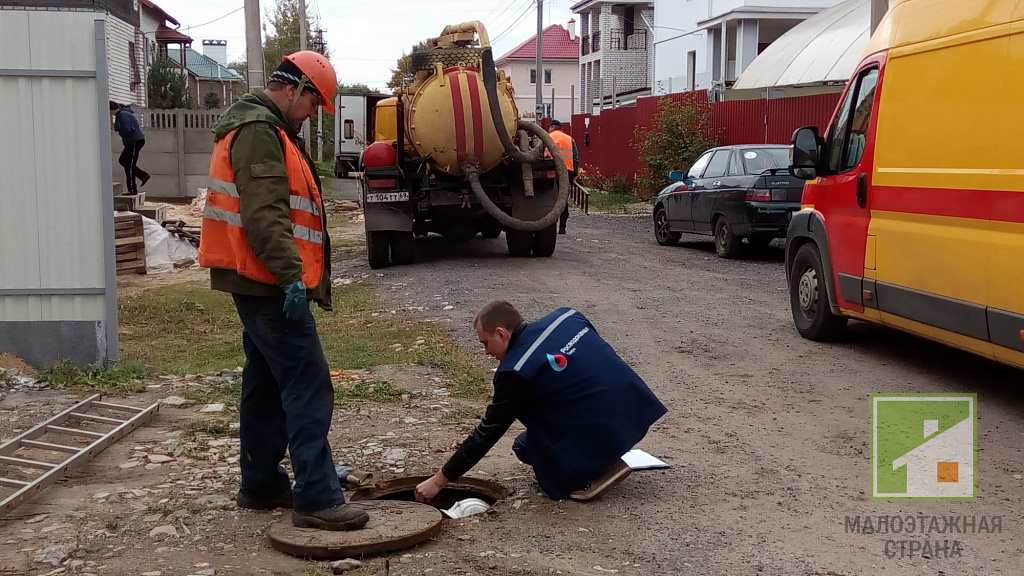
x: 519, y: 243
x: 808, y: 297
x: 726, y: 244
x: 544, y: 241
x: 662, y: 233
x: 378, y: 248
x: 403, y: 248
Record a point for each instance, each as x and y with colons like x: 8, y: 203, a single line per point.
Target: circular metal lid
x: 393, y: 525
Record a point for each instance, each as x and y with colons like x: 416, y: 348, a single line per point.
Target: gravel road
x: 766, y: 432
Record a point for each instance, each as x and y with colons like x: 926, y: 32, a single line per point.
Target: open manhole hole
x: 404, y: 489
x: 397, y: 521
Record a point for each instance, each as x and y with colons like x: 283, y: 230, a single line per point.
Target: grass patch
x: 458, y: 415
x: 375, y: 390
x: 213, y: 428
x: 612, y: 203
x: 228, y: 393
x: 125, y: 377
x: 190, y: 329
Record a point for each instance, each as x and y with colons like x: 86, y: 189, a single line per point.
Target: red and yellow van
x: 913, y: 213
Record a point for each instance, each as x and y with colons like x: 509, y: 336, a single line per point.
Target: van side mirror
x: 804, y: 153
x: 676, y: 175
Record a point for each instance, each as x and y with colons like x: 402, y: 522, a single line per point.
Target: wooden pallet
x: 129, y: 244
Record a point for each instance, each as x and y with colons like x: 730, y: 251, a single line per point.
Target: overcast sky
x: 366, y: 37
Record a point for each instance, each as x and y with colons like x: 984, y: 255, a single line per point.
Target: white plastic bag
x: 164, y: 250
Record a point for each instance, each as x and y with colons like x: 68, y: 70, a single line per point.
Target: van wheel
x: 544, y: 241
x: 403, y: 248
x: 490, y: 228
x: 378, y: 247
x: 727, y: 245
x: 662, y: 233
x: 808, y: 297
x: 519, y: 243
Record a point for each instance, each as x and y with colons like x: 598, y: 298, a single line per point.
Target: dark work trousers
x: 565, y: 213
x: 129, y: 160
x: 522, y: 449
x: 287, y: 403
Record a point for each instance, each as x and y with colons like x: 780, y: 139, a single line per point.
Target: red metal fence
x: 605, y: 141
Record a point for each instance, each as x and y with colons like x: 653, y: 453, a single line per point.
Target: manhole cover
x: 393, y: 525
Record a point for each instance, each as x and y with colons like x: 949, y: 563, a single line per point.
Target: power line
x: 239, y: 9
x: 514, y: 24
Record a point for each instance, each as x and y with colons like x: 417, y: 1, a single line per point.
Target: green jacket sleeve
x: 575, y: 157
x: 257, y: 159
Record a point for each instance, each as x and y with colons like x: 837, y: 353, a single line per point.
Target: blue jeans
x: 287, y: 404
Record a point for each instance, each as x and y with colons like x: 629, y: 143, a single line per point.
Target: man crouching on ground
x: 582, y: 406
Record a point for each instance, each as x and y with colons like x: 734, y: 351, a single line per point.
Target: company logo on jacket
x: 558, y: 362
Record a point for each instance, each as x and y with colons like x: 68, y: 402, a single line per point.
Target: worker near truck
x: 264, y: 238
x: 583, y: 407
x: 570, y: 155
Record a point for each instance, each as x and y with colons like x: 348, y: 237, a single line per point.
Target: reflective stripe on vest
x: 564, y: 144
x: 223, y: 243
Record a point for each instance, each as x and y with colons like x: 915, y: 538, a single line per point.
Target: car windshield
x: 757, y: 160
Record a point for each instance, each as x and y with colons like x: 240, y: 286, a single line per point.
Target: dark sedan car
x: 731, y: 192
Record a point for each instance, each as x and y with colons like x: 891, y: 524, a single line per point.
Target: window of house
x: 134, y: 61
x: 547, y: 75
x: 533, y: 75
x: 849, y: 133
x: 628, y: 17
x: 691, y: 70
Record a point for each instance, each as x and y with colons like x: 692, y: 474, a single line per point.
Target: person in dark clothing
x: 127, y: 125
x: 582, y: 406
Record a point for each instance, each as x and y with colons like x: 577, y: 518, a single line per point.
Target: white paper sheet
x: 640, y: 460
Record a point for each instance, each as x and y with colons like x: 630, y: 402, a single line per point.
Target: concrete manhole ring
x: 393, y: 525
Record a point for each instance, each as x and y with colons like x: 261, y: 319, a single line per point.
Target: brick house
x: 561, y: 52
x: 616, y: 52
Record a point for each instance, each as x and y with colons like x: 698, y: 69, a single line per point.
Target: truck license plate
x: 387, y: 197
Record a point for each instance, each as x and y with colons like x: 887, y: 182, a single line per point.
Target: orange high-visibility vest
x: 564, y: 143
x: 222, y: 242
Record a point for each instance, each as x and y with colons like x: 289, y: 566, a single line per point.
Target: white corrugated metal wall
x: 57, y: 285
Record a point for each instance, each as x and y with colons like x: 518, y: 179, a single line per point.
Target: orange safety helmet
x: 320, y: 73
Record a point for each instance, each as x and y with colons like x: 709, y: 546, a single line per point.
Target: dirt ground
x: 766, y: 436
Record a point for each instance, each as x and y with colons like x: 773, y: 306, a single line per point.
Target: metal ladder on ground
x: 63, y: 425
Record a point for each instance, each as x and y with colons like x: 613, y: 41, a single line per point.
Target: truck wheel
x: 403, y: 248
x: 490, y: 228
x: 519, y: 243
x: 544, y: 241
x: 808, y: 297
x: 448, y: 57
x: 727, y: 245
x: 378, y: 247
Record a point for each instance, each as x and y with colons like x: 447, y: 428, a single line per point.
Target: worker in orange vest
x: 571, y: 155
x: 264, y: 238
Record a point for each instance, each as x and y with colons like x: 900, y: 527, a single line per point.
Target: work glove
x: 295, y: 300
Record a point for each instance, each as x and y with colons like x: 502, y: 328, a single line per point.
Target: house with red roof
x: 559, y: 77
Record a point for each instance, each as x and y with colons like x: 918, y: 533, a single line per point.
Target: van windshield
x: 758, y: 160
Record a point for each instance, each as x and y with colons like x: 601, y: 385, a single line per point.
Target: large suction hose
x: 490, y: 75
x: 473, y: 176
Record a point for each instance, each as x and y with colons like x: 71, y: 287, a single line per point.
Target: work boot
x: 143, y: 180
x: 282, y: 500
x: 616, y: 473
x: 340, y: 517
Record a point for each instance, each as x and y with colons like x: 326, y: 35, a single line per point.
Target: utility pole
x: 302, y: 46
x: 254, y: 46
x: 320, y: 110
x: 540, y: 61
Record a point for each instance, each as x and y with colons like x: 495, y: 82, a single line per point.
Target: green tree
x: 211, y: 100
x: 681, y: 132
x: 166, y: 85
x: 402, y: 74
x: 282, y: 34
x: 238, y: 88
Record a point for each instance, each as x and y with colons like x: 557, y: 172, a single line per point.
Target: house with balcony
x: 707, y: 44
x: 561, y: 52
x: 616, y: 52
